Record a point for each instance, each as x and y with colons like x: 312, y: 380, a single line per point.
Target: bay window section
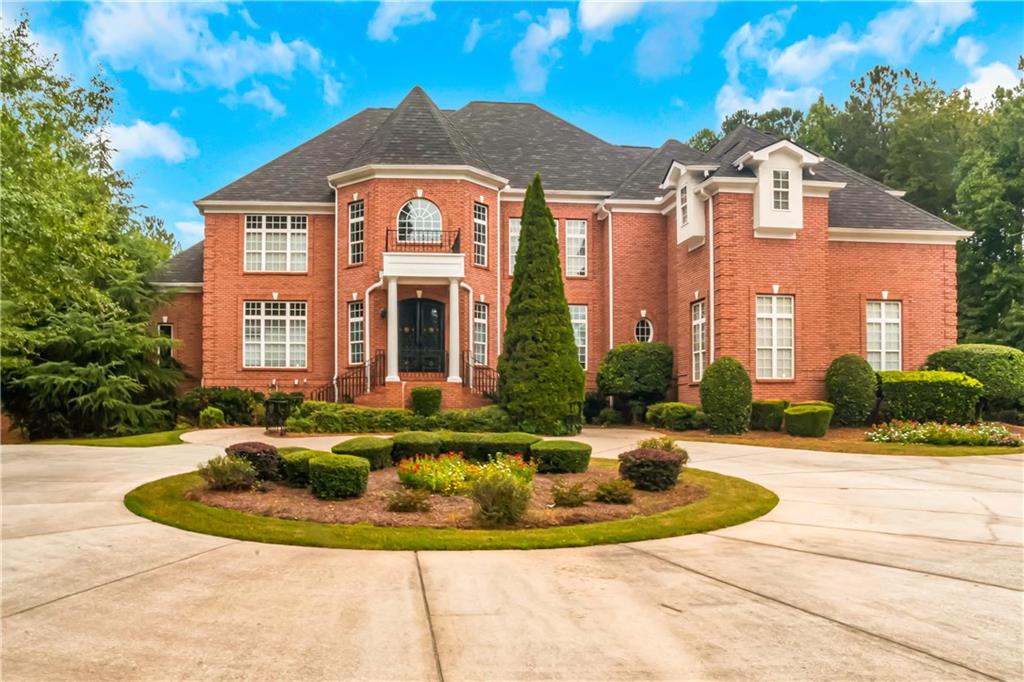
x: 274, y: 334
x: 356, y: 232
x: 275, y: 243
x: 356, y: 320
x: 578, y: 315
x: 775, y: 337
x: 885, y: 324
x: 480, y: 333
x: 576, y: 248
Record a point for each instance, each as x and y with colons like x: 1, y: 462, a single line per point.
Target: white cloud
x: 536, y: 53
x: 672, y: 40
x: 193, y: 228
x: 332, y: 90
x: 391, y: 14
x: 522, y: 15
x: 142, y: 140
x: 754, y: 42
x: 985, y: 78
x: 477, y: 31
x: 258, y: 96
x: 968, y: 51
x: 247, y: 18
x: 597, y: 19
x: 176, y: 112
x: 733, y: 97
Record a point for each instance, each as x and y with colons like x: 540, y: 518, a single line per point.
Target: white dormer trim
x: 678, y: 170
x: 896, y: 236
x: 686, y: 192
x: 898, y: 193
x: 418, y: 172
x: 759, y: 156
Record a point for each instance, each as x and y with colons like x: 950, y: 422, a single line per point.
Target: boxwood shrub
x: 560, y: 456
x: 324, y: 417
x: 1000, y: 369
x: 852, y: 386
x: 412, y: 443
x: 295, y: 464
x: 725, y: 396
x: 466, y: 444
x: 930, y: 396
x: 650, y: 469
x: 211, y: 418
x: 336, y: 477
x: 515, y: 443
x: 426, y: 400
x: 810, y: 420
x: 377, y: 451
x: 767, y: 415
x: 264, y: 458
x: 673, y: 416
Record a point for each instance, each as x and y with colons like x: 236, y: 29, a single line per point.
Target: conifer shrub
x: 726, y: 396
x: 377, y: 451
x: 614, y: 492
x: 852, y: 386
x: 569, y: 494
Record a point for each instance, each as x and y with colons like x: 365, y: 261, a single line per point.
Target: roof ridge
x: 449, y: 123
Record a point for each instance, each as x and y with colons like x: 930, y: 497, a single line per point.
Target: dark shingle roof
x: 644, y: 181
x: 186, y: 266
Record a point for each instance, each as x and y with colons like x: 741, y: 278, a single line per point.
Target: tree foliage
x: 540, y: 380
x: 78, y: 354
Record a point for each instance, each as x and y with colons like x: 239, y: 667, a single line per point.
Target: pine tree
x: 540, y: 378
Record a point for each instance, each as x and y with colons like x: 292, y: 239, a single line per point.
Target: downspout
x: 367, y: 323
x: 469, y: 333
x: 711, y: 279
x: 611, y: 283
x: 337, y: 309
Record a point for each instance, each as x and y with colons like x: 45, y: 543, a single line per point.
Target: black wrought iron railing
x: 378, y: 369
x: 352, y: 384
x: 327, y: 393
x: 479, y: 378
x: 423, y: 241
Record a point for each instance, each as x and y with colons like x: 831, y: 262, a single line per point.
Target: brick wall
x: 185, y: 313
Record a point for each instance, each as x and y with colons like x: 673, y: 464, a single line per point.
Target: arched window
x: 419, y: 221
x: 644, y: 330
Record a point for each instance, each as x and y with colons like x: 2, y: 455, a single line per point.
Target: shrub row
x: 930, y: 396
x: 676, y: 416
x: 324, y: 417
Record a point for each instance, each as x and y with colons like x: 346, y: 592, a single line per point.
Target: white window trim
x: 478, y: 223
x: 781, y: 192
x: 774, y: 316
x: 698, y: 331
x: 290, y: 231
x: 356, y: 347
x: 649, y: 324
x: 884, y: 320
x: 684, y: 208
x: 583, y: 350
x: 518, y: 222
x: 420, y: 235
x: 480, y: 324
x: 568, y: 247
x: 288, y: 317
x: 359, y: 221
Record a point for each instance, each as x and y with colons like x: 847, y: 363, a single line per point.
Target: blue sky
x: 208, y: 91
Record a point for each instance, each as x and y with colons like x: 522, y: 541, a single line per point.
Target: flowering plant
x: 936, y: 433
x: 513, y: 465
x: 451, y: 474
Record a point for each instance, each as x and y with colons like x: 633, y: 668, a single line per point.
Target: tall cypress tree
x: 541, y: 381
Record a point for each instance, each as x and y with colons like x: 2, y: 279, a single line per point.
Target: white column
x: 453, y: 331
x: 392, y: 329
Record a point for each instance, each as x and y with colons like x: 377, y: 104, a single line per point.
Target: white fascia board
x: 894, y: 236
x: 761, y: 155
x: 429, y: 265
x: 821, y: 188
x: 898, y: 193
x: 181, y: 286
x: 308, y: 207
x: 420, y: 172
x: 558, y: 196
x: 714, y: 185
x: 676, y: 170
x: 632, y: 205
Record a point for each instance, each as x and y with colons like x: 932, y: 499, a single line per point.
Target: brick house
x: 379, y: 254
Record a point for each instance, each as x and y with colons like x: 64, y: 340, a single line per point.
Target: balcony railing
x: 422, y: 241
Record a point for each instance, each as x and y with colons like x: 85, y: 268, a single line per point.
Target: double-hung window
x: 780, y: 190
x: 698, y: 325
x: 884, y: 335
x: 514, y: 225
x: 356, y: 233
x: 480, y: 333
x: 275, y: 243
x: 775, y: 337
x: 578, y: 315
x: 576, y: 248
x: 684, y: 209
x: 274, y: 334
x: 479, y: 234
x: 356, y: 320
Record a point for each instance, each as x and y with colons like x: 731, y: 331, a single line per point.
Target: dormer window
x: 684, y: 209
x: 780, y: 190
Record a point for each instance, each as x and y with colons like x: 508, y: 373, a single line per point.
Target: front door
x: 420, y: 335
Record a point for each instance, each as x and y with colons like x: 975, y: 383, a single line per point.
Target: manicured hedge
x: 1000, y: 369
x: 466, y: 444
x: 377, y: 451
x: 930, y: 396
x: 426, y: 400
x: 852, y: 386
x: 725, y: 396
x: 324, y: 417
x: 295, y: 464
x: 237, y: 404
x: 767, y: 415
x: 560, y: 456
x: 650, y: 469
x: 673, y: 416
x: 336, y: 477
x: 636, y: 371
x: 810, y: 420
x: 515, y: 443
x: 412, y: 443
x: 263, y: 457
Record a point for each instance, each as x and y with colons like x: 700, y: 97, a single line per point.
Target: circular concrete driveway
x: 871, y: 567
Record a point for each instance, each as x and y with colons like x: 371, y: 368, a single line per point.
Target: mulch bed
x: 285, y: 502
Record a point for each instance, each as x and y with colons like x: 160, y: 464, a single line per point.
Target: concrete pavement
x: 871, y: 567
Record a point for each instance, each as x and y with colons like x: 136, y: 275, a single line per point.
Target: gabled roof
x: 183, y: 267
x: 644, y: 181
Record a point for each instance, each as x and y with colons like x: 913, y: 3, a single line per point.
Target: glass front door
x: 420, y: 335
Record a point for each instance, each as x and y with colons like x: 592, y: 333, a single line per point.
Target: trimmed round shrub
x: 808, y: 420
x: 377, y: 451
x: 501, y: 498
x: 515, y: 443
x: 930, y: 396
x: 465, y: 444
x: 725, y: 396
x: 1000, y: 369
x: 852, y: 386
x: 767, y: 415
x: 560, y: 456
x: 211, y: 417
x: 295, y: 464
x: 336, y: 477
x: 411, y: 443
x: 228, y: 473
x: 426, y: 400
x: 649, y: 469
x: 263, y: 457
x: 636, y: 371
x: 672, y: 416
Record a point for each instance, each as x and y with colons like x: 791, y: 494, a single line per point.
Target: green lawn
x: 142, y: 440
x: 730, y: 501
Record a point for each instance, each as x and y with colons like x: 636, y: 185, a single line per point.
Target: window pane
x: 514, y: 224
x: 764, y: 363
